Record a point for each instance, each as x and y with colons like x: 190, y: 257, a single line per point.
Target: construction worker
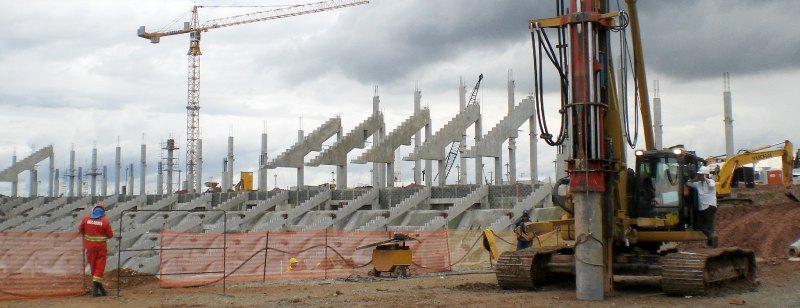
x: 96, y: 230
x: 706, y: 202
x: 292, y: 264
x: 524, y: 239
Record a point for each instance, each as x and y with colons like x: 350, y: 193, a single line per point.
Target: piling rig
x: 619, y: 216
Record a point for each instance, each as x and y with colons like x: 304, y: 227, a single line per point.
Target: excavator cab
x: 660, y: 188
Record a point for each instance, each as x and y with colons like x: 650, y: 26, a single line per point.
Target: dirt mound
x: 767, y: 226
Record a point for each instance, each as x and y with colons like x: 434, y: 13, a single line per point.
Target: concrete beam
x: 28, y: 163
x: 491, y: 143
x: 355, y: 139
x: 294, y: 156
x: 383, y: 152
x: 434, y: 148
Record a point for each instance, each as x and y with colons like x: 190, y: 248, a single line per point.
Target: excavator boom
x: 725, y: 174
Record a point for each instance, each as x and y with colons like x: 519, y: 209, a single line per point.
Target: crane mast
x: 194, y: 29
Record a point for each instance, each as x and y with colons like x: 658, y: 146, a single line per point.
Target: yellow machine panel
x: 247, y: 180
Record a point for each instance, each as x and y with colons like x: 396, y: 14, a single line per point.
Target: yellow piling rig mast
x: 194, y: 28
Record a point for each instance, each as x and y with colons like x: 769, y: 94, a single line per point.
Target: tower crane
x: 194, y: 28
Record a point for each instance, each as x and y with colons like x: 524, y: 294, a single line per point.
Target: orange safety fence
x: 34, y: 265
x: 195, y: 259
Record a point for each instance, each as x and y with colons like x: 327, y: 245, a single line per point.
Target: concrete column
x: 512, y: 142
x: 728, y: 116
x: 160, y: 179
x: 223, y: 180
x: 143, y: 171
x: 118, y: 166
x: 341, y: 170
x: 428, y: 163
x: 52, y: 189
x: 390, y: 174
x: 417, y: 138
x: 80, y: 182
x: 170, y: 164
x: 462, y: 161
x: 498, y: 170
x: 104, y: 186
x: 262, y: 164
x: 71, y: 173
x: 57, y: 190
x: 300, y: 169
x: 478, y: 158
x: 657, y: 125
x: 441, y: 164
x: 588, y: 223
x: 230, y: 163
x: 533, y: 139
x: 512, y: 160
x: 130, y: 181
x: 93, y: 173
x: 14, y: 183
x: 377, y: 168
x: 34, y: 189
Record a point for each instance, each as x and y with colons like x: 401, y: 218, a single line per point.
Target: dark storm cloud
x: 387, y: 40
x: 702, y: 39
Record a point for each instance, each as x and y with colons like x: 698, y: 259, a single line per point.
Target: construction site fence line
x: 30, y: 260
x: 264, y: 256
x: 40, y: 264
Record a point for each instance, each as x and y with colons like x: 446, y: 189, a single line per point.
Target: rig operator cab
x: 660, y: 190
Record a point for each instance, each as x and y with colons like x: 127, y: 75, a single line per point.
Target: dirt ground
x: 767, y: 226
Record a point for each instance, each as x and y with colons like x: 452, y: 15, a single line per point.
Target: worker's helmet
x: 98, y: 211
x: 292, y: 260
x: 703, y: 170
x: 526, y: 213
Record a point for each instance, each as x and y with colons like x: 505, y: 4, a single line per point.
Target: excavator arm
x: 725, y: 173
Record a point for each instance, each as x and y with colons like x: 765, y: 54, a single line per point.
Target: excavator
x: 724, y: 175
x: 619, y: 216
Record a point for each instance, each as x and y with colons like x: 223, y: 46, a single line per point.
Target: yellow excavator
x: 724, y: 175
x: 619, y: 215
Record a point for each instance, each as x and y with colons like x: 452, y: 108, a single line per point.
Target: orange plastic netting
x: 194, y: 259
x: 36, y: 265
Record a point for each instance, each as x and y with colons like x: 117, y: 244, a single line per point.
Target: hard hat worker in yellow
x: 292, y: 264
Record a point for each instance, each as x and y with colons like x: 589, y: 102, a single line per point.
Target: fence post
x: 224, y: 249
x: 119, y: 250
x: 266, y: 250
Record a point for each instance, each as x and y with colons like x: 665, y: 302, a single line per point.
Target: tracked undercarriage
x: 686, y: 272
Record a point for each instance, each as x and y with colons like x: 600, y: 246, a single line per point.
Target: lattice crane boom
x: 194, y: 28
x: 295, y: 10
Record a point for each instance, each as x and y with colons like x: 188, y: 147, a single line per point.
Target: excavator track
x: 524, y: 269
x: 696, y: 271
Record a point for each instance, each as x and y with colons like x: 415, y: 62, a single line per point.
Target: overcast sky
x: 74, y: 73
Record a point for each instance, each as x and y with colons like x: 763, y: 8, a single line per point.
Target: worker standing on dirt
x: 706, y: 202
x: 524, y: 239
x: 96, y: 230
